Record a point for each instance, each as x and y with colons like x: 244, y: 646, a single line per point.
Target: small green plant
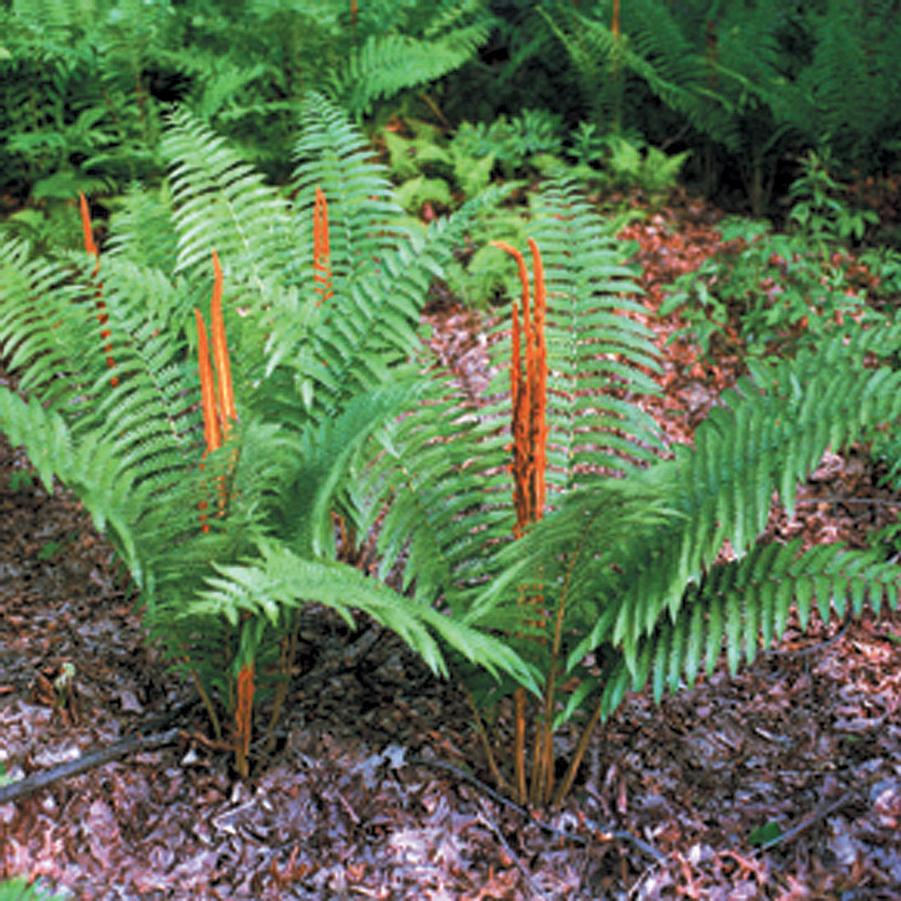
x: 819, y: 212
x: 614, y: 161
x: 764, y: 292
x: 20, y: 889
x: 21, y: 480
x: 768, y: 291
x: 429, y: 167
x: 436, y: 175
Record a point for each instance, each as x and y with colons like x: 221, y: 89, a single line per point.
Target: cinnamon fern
x: 623, y: 578
x: 228, y: 537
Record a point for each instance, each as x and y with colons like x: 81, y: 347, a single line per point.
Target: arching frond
x: 221, y: 202
x: 387, y: 64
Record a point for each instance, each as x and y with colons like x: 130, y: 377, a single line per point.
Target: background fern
x: 84, y: 87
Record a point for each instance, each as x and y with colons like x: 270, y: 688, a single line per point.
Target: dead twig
x: 823, y: 811
x: 36, y: 781
x: 814, y: 648
x: 489, y: 822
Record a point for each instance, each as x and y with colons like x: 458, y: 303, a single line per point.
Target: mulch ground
x: 353, y: 803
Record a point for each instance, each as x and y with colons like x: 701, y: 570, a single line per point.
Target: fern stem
x: 519, y: 744
x: 575, y: 762
x: 243, y: 719
x: 542, y: 759
x: 485, y: 742
x: 207, y: 703
x: 211, y: 434
x: 550, y: 691
x: 87, y: 229
x: 287, y: 654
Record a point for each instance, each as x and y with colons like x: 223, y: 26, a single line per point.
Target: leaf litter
x: 784, y: 782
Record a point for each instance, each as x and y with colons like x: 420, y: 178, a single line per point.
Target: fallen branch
x: 819, y: 814
x: 486, y: 819
x: 814, y: 648
x: 36, y: 781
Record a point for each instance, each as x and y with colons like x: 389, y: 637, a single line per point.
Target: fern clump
x: 543, y: 534
x: 611, y: 574
x: 218, y: 463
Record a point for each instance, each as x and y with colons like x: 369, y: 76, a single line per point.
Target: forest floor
x: 356, y: 803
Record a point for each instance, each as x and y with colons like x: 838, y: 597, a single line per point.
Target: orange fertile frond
x: 521, y: 427
x: 86, y: 227
x: 244, y: 714
x: 539, y: 394
x: 528, y: 392
x: 226, y: 395
x: 91, y: 248
x: 322, y: 271
x: 207, y: 389
x: 523, y: 279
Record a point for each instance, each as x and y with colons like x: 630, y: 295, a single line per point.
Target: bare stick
x: 102, y: 756
x: 511, y: 853
x: 486, y: 744
x: 823, y: 811
x: 605, y: 833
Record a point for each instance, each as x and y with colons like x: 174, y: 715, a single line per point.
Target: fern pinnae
x: 220, y: 201
x: 331, y: 155
x: 45, y: 334
x: 789, y: 458
x: 748, y: 602
x: 387, y: 64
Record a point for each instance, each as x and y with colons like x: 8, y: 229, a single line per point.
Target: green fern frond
x: 48, y: 325
x: 600, y: 356
x: 386, y: 65
x: 448, y: 505
x: 142, y: 231
x: 279, y: 578
x: 758, y: 444
x: 42, y: 433
x: 452, y: 505
x: 221, y: 203
x: 363, y: 215
x: 746, y: 604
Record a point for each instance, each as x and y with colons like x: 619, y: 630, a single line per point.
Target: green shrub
x: 84, y: 86
x: 769, y: 292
